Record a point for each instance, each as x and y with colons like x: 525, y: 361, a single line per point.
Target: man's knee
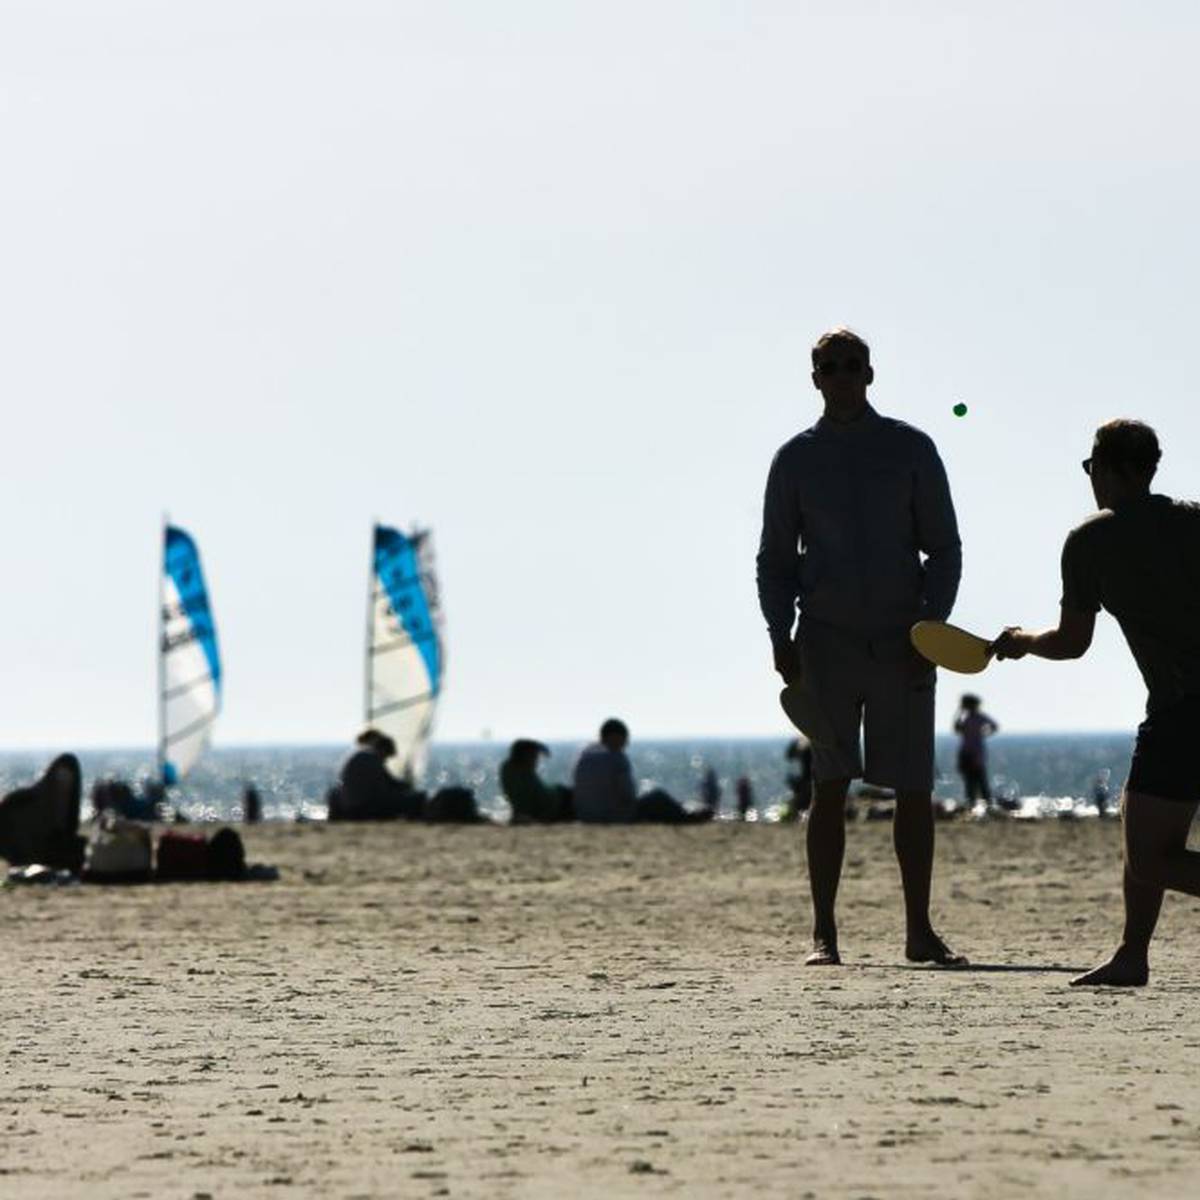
x: 1147, y: 870
x: 1146, y: 863
x: 830, y: 793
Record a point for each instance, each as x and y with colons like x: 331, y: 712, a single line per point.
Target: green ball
x: 960, y: 410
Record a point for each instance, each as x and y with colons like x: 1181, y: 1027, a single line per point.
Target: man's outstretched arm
x: 1077, y: 615
x: 1070, y: 640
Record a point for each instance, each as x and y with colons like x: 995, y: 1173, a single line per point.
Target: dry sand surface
x: 553, y: 1012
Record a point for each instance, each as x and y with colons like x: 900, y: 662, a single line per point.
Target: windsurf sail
x: 189, y: 665
x: 405, y: 653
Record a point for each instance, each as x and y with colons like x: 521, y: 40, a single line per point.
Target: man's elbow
x: 1074, y: 644
x: 1075, y: 631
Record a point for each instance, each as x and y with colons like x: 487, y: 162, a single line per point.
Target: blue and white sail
x: 189, y: 664
x: 405, y: 652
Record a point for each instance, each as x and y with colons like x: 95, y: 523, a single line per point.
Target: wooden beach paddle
x: 950, y: 647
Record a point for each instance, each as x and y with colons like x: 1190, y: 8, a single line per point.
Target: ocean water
x: 1049, y: 774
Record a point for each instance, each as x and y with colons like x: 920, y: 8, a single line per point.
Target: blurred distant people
x: 251, y: 805
x: 974, y: 727
x: 1101, y: 796
x: 745, y: 797
x: 710, y: 791
x: 366, y: 790
x: 799, y: 781
x: 40, y: 823
x: 604, y: 792
x: 531, y: 798
x: 116, y: 796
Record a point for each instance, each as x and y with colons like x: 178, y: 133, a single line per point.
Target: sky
x: 544, y: 277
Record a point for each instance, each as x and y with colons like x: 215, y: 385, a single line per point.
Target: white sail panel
x: 404, y: 649
x: 189, y: 662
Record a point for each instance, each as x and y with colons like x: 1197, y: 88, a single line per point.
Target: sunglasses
x: 828, y: 367
x: 1087, y: 467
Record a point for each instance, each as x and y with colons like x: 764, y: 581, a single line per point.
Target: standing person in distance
x: 1138, y: 558
x: 974, y: 727
x: 859, y: 533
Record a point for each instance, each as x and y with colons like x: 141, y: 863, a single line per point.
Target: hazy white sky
x: 544, y: 276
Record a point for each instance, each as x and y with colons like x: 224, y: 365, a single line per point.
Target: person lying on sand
x: 851, y: 506
x: 1138, y: 558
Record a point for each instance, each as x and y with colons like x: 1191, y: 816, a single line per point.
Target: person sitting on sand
x: 1138, y: 558
x: 40, y: 823
x: 974, y: 727
x: 367, y: 790
x: 531, y: 798
x: 604, y: 789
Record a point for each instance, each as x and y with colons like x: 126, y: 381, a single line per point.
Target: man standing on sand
x: 1139, y: 558
x: 851, y: 506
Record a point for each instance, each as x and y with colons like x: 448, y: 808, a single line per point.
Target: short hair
x: 841, y: 336
x: 613, y: 727
x: 1129, y: 446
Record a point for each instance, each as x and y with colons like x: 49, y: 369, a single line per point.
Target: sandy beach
x: 582, y: 1011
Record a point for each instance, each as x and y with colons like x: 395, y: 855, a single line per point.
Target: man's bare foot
x: 927, y: 947
x: 1124, y: 969
x: 824, y: 953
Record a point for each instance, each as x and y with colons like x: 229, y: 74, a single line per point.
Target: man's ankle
x: 1133, y: 953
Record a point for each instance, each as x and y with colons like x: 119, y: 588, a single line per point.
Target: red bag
x: 182, y: 855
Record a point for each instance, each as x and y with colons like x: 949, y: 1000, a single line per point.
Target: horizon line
x: 239, y: 747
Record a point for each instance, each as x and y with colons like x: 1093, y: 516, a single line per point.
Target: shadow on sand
x: 973, y: 968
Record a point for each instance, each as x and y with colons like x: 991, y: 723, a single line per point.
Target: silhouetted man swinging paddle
x: 1139, y: 558
x: 851, y: 506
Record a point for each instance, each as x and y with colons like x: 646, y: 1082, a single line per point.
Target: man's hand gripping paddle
x: 950, y: 647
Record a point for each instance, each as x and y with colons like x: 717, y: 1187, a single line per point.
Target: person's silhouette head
x: 969, y: 702
x: 1123, y: 461
x: 614, y: 734
x: 379, y: 742
x: 842, y: 373
x: 525, y: 752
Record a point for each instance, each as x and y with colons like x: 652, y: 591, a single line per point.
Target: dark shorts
x: 1166, y: 758
x: 857, y: 690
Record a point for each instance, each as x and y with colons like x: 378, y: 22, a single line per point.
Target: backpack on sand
x: 118, y: 852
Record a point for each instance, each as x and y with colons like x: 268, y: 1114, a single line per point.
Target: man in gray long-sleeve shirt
x: 852, y: 505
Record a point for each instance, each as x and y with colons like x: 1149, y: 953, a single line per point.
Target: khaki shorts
x: 857, y: 689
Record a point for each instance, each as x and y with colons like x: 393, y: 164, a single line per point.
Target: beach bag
x: 226, y: 855
x: 452, y: 806
x: 119, y: 851
x: 182, y: 856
